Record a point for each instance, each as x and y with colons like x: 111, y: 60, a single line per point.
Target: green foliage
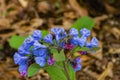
x: 94, y: 49
x: 57, y: 4
x: 44, y: 33
x: 1, y: 47
x: 81, y: 49
x: 71, y: 72
x: 86, y: 49
x: 84, y: 22
x: 59, y: 56
x: 16, y: 41
x: 55, y: 73
x: 54, y: 51
x: 33, y: 69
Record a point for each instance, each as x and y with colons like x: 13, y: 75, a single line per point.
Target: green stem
x: 71, y: 53
x: 66, y: 70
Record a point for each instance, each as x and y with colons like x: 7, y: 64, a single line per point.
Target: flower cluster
x: 35, y: 50
x: 31, y: 51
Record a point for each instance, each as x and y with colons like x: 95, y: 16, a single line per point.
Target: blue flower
x: 77, y: 64
x: 48, y: 38
x: 18, y: 59
x: 82, y: 41
x: 29, y: 40
x: 57, y: 31
x: 22, y: 61
x: 37, y: 45
x: 77, y: 67
x: 93, y: 43
x: 85, y: 32
x: 78, y: 60
x: 34, y: 51
x: 40, y: 52
x: 28, y: 43
x: 41, y: 61
x: 74, y: 41
x: 37, y: 35
x: 23, y: 70
x: 60, y: 36
x: 22, y: 51
x: 73, y: 32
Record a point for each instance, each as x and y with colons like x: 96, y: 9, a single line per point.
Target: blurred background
x: 22, y: 17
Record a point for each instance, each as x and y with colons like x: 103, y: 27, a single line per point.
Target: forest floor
x: 22, y: 17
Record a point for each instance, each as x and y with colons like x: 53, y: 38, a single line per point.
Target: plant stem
x: 66, y: 70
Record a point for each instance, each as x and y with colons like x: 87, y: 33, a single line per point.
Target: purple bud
x: 68, y: 46
x: 77, y: 67
x: 23, y: 74
x: 82, y: 52
x: 23, y: 70
x: 50, y: 61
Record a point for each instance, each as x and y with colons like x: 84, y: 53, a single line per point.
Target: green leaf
x: 86, y: 49
x: 59, y: 56
x: 33, y: 69
x: 81, y: 49
x: 94, y: 49
x: 55, y: 73
x: 16, y: 41
x: 44, y: 33
x: 84, y: 22
x: 1, y: 47
x: 71, y: 72
x: 54, y: 51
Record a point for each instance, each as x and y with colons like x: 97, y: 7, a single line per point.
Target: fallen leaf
x: 106, y: 72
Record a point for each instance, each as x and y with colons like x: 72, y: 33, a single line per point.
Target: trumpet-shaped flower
x: 41, y: 61
x: 85, y: 32
x: 82, y: 41
x: 37, y: 35
x: 73, y: 32
x: 48, y: 38
x: 93, y: 43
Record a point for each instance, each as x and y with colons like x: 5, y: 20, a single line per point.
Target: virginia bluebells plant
x: 36, y: 49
